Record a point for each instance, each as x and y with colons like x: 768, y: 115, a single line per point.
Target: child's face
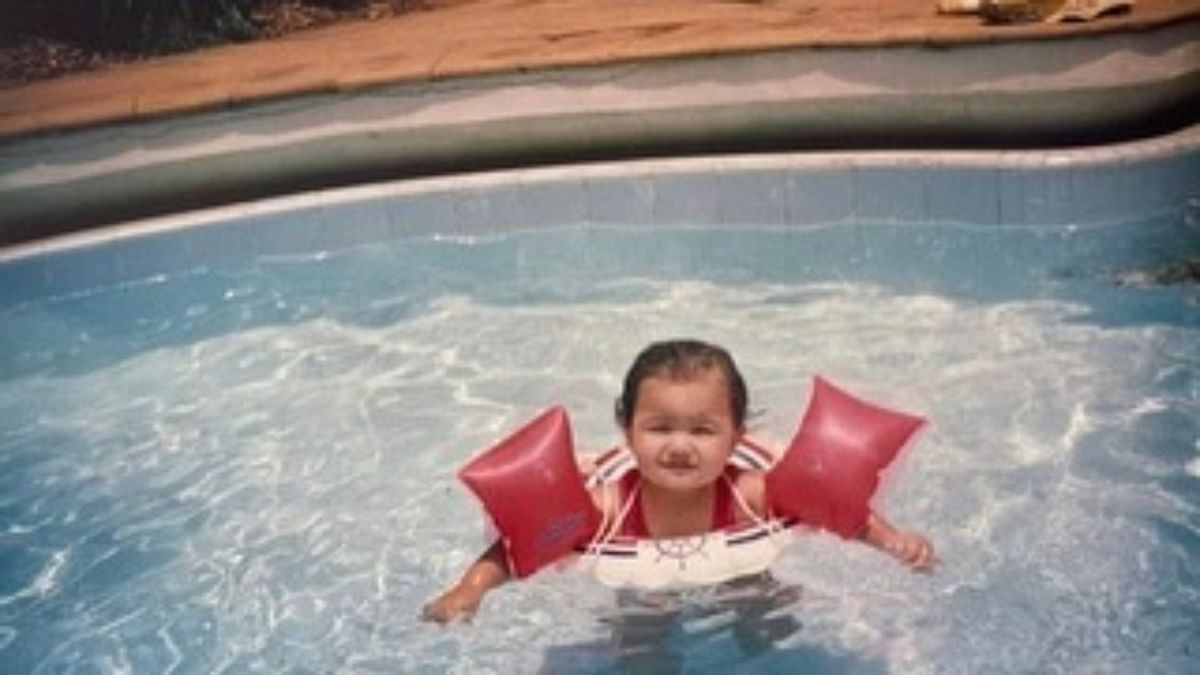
x: 682, y: 431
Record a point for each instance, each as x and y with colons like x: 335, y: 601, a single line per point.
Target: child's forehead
x: 707, y: 374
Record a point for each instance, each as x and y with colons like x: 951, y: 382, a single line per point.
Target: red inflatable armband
x: 831, y: 469
x: 530, y: 485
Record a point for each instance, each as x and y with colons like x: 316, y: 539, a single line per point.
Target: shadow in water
x: 749, y: 624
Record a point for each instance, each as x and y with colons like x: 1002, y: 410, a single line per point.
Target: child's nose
x: 679, y: 443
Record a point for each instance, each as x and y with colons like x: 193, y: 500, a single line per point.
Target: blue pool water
x: 249, y: 466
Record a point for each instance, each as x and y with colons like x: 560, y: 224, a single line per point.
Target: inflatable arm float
x: 831, y: 469
x: 531, y: 487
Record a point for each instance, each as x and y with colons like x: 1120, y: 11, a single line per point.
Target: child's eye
x: 704, y: 431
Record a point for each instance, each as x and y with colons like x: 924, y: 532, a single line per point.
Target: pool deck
x: 464, y: 38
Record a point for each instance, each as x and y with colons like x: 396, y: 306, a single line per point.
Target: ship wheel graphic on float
x: 681, y: 549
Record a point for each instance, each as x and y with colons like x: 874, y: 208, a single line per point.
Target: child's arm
x: 910, y: 548
x: 462, y: 600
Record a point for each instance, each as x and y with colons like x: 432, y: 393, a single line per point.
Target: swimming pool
x: 229, y: 438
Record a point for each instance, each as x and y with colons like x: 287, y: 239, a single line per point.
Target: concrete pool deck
x: 482, y: 37
x: 483, y: 84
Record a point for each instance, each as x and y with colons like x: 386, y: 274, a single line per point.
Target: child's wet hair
x: 681, y: 359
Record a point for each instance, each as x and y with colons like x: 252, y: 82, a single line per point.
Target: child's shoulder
x: 751, y: 484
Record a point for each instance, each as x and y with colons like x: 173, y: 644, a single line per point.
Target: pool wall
x: 1044, y: 94
x: 1093, y: 187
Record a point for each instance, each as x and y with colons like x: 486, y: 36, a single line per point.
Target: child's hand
x: 458, y: 603
x: 911, y: 549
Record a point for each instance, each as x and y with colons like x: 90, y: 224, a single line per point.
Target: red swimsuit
x: 725, y: 507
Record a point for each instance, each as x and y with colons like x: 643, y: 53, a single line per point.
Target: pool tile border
x: 1046, y: 188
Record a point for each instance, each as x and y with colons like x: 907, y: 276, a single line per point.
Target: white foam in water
x: 285, y: 498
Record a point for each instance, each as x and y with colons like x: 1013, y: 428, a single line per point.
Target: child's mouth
x: 678, y: 467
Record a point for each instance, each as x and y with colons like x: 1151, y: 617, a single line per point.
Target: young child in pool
x: 682, y: 410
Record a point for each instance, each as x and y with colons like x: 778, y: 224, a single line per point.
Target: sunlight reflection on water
x: 256, y: 473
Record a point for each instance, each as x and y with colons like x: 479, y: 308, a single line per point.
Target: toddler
x: 682, y: 410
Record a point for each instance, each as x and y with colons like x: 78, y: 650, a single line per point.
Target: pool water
x: 252, y: 468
